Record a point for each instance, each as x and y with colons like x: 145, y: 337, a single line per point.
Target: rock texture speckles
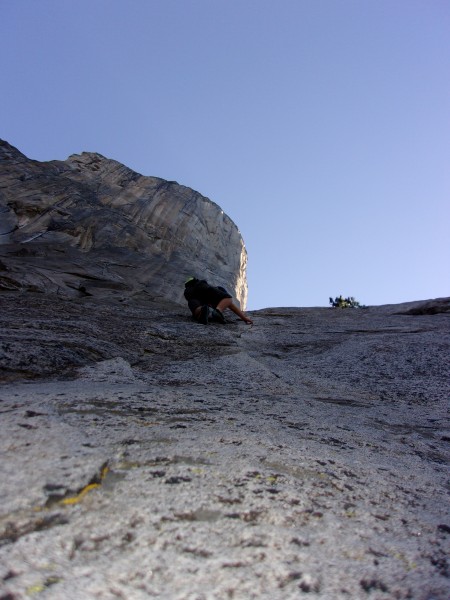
x: 91, y: 226
x: 144, y: 455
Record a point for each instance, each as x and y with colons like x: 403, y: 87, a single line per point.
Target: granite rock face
x: 91, y: 226
x: 147, y: 456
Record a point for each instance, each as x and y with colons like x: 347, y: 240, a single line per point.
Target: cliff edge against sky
x: 89, y: 225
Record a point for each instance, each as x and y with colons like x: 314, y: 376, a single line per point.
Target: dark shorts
x: 212, y: 298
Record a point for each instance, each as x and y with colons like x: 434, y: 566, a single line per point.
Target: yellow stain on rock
x: 80, y: 495
x: 88, y: 488
x: 272, y: 479
x: 35, y: 589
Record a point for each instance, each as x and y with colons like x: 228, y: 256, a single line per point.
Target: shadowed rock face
x: 91, y: 226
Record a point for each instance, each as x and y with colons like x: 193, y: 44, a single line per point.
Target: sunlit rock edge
x: 92, y: 226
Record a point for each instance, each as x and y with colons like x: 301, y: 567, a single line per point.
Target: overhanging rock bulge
x: 90, y: 225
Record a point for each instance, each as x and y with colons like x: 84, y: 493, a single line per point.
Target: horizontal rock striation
x: 91, y: 226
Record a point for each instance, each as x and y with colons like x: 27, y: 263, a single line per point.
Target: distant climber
x: 208, y: 302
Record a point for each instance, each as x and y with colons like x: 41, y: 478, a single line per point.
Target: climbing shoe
x: 204, y: 314
x: 217, y: 316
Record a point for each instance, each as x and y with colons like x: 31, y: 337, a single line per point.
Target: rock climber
x: 208, y: 302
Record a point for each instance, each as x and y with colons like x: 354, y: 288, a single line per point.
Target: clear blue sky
x: 321, y: 127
